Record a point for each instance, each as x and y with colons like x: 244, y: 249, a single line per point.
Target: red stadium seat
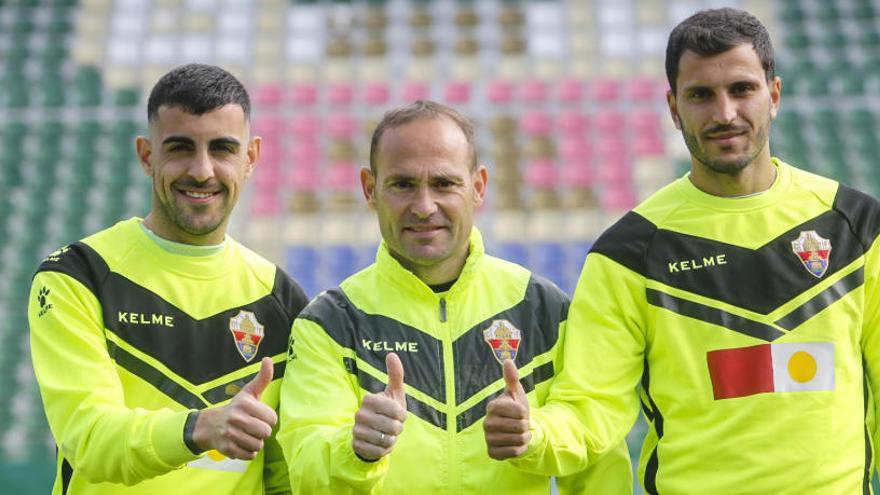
x: 303, y: 179
x: 341, y: 126
x: 265, y: 204
x: 577, y: 175
x: 376, y: 93
x: 340, y: 94
x: 343, y: 176
x: 644, y: 89
x: 267, y: 95
x: 268, y: 126
x: 304, y: 126
x: 604, y: 90
x: 572, y: 122
x: 541, y: 174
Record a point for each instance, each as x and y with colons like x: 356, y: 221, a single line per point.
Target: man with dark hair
x: 739, y: 305
x: 156, y: 342
x: 415, y: 373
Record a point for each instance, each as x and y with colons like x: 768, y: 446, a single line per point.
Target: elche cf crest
x: 813, y: 250
x: 503, y: 338
x: 247, y: 332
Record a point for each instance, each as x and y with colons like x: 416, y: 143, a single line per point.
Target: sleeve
x: 870, y: 340
x: 593, y: 402
x: 319, y: 399
x: 103, y: 438
x: 275, y: 476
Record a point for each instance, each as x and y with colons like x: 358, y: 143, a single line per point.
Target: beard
x: 729, y: 165
x: 194, y: 223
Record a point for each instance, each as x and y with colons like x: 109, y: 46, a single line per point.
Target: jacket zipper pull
x: 443, y: 310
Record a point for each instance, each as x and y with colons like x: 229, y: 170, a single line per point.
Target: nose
x: 424, y: 205
x: 201, y: 168
x: 725, y: 109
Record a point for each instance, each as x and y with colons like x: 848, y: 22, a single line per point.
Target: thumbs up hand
x: 506, y: 424
x: 380, y: 419
x: 237, y: 430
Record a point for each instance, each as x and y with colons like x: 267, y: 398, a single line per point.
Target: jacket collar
x: 391, y: 268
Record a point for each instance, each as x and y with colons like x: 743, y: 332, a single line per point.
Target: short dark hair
x: 198, y: 89
x: 710, y: 32
x: 421, y: 110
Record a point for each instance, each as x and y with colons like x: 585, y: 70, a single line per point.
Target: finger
x: 368, y: 451
x: 256, y: 386
x: 251, y: 409
x: 508, y: 439
x: 394, y: 389
x: 505, y: 425
x: 242, y: 440
x: 511, y: 379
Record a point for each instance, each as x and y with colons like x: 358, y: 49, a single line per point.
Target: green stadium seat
x: 128, y: 97
x: 88, y: 86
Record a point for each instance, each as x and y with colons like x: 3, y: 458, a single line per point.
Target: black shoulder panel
x: 289, y: 294
x: 330, y: 309
x: 861, y: 211
x: 626, y: 242
x: 80, y: 262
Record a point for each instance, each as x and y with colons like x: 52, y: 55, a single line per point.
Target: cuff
x: 167, y: 439
x: 188, y: 428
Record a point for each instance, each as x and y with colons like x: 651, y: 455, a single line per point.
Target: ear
x: 481, y: 182
x: 144, y: 151
x: 253, y: 154
x: 368, y: 186
x: 775, y: 96
x: 673, y: 109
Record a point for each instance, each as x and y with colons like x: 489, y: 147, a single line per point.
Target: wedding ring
x: 382, y: 437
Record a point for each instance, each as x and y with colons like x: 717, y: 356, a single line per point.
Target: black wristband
x: 188, y: 428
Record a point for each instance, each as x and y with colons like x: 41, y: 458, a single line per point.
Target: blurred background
x: 568, y: 98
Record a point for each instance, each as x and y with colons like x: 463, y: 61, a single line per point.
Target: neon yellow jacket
x: 746, y: 328
x: 128, y: 338
x: 450, y: 373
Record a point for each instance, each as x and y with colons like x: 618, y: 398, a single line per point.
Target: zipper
x: 442, y: 310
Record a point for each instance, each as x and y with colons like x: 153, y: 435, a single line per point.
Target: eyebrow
x: 186, y: 140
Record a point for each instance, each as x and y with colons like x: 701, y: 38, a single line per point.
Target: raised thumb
x: 511, y: 379
x: 256, y: 386
x: 394, y: 389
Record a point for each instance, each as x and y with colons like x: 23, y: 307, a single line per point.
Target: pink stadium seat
x: 415, y: 90
x: 609, y: 122
x: 267, y: 95
x: 457, y: 92
x: 571, y: 90
x: 267, y: 177
x: 541, y: 174
x: 644, y: 89
x: 533, y: 91
x: 572, y: 122
x: 303, y: 178
x: 577, y: 175
x: 265, y: 204
x: 343, y: 176
x: 268, y: 126
x: 304, y: 94
x: 304, y: 126
x: 340, y: 94
x: 376, y: 93
x: 341, y: 126
x: 645, y: 121
x: 575, y: 150
x: 499, y: 91
x: 536, y: 124
x: 611, y: 150
x: 604, y: 89
x: 617, y: 198
x: 271, y: 154
x: 648, y: 145
x: 305, y: 154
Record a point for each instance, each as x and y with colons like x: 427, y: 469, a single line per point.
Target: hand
x: 237, y: 430
x: 380, y: 419
x: 507, y: 418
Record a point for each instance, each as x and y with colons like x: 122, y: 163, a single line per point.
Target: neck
x: 161, y: 229
x: 441, y: 273
x: 754, y: 178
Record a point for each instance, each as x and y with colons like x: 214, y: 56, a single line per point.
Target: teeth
x: 197, y: 195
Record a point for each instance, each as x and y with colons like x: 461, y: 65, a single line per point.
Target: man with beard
x: 738, y: 305
x: 159, y: 343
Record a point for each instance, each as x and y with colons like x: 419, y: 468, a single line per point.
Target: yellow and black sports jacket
x: 128, y: 338
x: 749, y: 327
x: 451, y: 346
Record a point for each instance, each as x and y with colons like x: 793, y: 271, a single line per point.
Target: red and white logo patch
x: 504, y: 339
x: 813, y: 250
x: 247, y: 332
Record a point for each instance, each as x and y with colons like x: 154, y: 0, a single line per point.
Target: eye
x: 224, y: 148
x: 444, y: 183
x: 401, y: 184
x: 178, y: 147
x: 699, y: 94
x: 742, y: 88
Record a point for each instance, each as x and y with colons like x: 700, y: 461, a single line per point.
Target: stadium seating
x: 567, y: 97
